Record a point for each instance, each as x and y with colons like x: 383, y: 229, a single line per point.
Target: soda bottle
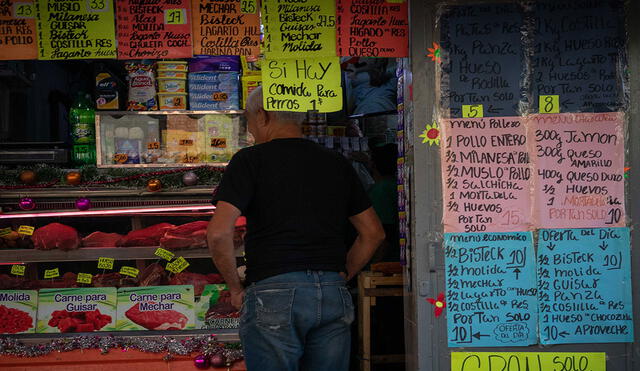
x: 83, y: 130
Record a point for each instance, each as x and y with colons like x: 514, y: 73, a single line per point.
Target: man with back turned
x: 298, y: 198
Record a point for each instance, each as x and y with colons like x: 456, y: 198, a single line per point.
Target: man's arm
x: 370, y: 236
x: 220, y: 240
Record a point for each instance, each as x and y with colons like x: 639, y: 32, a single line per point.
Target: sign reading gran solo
x: 225, y: 27
x: 18, y: 30
x: 76, y: 29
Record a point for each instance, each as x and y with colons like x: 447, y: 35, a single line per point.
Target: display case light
x: 46, y: 214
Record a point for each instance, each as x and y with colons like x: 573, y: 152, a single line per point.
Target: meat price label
x: 18, y: 269
x: 129, y: 271
x: 51, y: 273
x: 491, y: 289
x: 164, y: 254
x: 84, y: 278
x: 105, y: 263
x: 178, y: 265
x: 584, y: 286
x: 26, y: 230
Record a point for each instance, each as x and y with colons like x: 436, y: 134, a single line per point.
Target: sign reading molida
x: 156, y: 308
x: 18, y: 307
x: 533, y: 361
x: 76, y: 29
x: 302, y: 85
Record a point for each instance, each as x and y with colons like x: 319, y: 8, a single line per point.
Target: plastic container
x: 169, y: 101
x: 171, y: 74
x: 172, y: 65
x: 166, y: 85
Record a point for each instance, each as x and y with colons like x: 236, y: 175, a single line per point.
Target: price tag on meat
x: 84, y: 278
x: 178, y: 265
x: 18, y: 269
x: 26, y: 230
x: 129, y: 271
x: 51, y: 273
x: 5, y: 231
x: 105, y: 263
x: 164, y: 254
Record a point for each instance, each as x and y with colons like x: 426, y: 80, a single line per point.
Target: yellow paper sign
x: 84, y: 278
x: 175, y: 16
x: 248, y: 6
x: 302, y: 85
x: 105, y: 263
x: 307, y: 30
x: 24, y: 10
x: 51, y: 273
x: 178, y: 265
x: 91, y: 37
x: 472, y: 110
x: 26, y: 230
x: 129, y: 271
x: 5, y: 231
x: 549, y: 104
x: 533, y: 361
x: 18, y: 269
x: 164, y: 254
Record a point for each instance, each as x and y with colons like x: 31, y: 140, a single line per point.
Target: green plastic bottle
x: 83, y: 130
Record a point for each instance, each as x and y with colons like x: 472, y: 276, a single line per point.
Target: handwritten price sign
x: 219, y: 142
x: 51, y: 273
x: 84, y: 278
x: 549, y: 104
x: 248, y: 6
x: 18, y: 269
x: 175, y: 16
x: 129, y: 271
x: 105, y: 263
x: 178, y: 265
x: 164, y: 254
x: 472, y: 110
x: 26, y: 230
x: 24, y: 10
x: 153, y: 145
x: 120, y: 158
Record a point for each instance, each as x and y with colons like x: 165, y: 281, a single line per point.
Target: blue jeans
x: 297, y: 321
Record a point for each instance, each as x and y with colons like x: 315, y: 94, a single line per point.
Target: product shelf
x: 93, y: 253
x: 222, y: 335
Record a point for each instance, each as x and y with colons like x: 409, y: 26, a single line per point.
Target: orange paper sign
x: 18, y: 38
x: 231, y: 27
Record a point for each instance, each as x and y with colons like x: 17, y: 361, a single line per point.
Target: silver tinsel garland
x: 207, y: 345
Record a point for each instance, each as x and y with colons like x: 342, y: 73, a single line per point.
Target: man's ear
x: 263, y: 117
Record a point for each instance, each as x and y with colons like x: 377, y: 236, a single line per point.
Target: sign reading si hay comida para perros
x: 156, y: 308
x: 76, y: 310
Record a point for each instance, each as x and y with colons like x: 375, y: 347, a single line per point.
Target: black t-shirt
x: 297, y: 197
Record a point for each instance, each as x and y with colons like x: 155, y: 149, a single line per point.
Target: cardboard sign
x: 154, y: 30
x: 301, y: 85
x: 534, y: 361
x: 228, y: 28
x: 105, y: 263
x: 129, y: 271
x: 76, y: 310
x: 299, y: 29
x: 579, y: 169
x: 491, y: 289
x: 51, y: 273
x: 373, y: 29
x: 76, y: 29
x: 18, y: 36
x: 584, y: 282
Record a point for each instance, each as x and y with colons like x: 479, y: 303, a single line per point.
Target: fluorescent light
x: 106, y: 212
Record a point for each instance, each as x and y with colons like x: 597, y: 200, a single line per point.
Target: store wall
x: 426, y: 335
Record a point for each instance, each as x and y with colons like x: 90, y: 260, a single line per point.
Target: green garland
x: 47, y: 174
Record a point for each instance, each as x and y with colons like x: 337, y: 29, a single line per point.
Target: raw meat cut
x: 187, y: 278
x: 157, y: 319
x: 149, y: 236
x: 79, y: 321
x: 68, y: 280
x: 56, y: 235
x: 113, y: 279
x: 14, y: 320
x: 223, y: 308
x: 187, y: 235
x: 153, y: 275
x: 101, y: 239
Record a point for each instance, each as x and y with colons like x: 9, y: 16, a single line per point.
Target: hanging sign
x: 301, y: 85
x: 231, y: 27
x: 372, y: 29
x: 584, y: 283
x: 533, y: 361
x: 18, y: 39
x: 154, y: 29
x: 579, y: 169
x: 75, y: 29
x: 302, y: 29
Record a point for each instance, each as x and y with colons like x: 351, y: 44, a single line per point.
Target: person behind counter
x: 298, y: 198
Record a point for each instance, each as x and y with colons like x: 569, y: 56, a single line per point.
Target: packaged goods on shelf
x: 172, y: 101
x: 213, y: 106
x: 220, y: 131
x: 214, y: 77
x: 214, y: 309
x: 76, y: 310
x: 107, y: 90
x: 219, y: 63
x: 18, y: 311
x: 172, y: 65
x: 166, y: 85
x: 156, y: 308
x: 230, y: 86
x: 176, y: 75
x: 142, y: 87
x: 249, y: 84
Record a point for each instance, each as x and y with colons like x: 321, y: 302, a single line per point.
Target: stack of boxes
x: 172, y: 78
x: 214, y: 83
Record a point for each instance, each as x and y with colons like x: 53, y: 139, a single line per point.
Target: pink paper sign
x: 579, y: 169
x: 486, y: 175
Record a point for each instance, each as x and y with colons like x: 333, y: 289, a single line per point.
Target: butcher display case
x: 134, y: 264
x: 168, y: 138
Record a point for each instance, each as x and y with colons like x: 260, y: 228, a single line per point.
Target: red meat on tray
x: 187, y: 278
x: 56, y: 236
x: 157, y: 319
x: 149, y: 236
x: 101, y: 239
x: 187, y: 235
